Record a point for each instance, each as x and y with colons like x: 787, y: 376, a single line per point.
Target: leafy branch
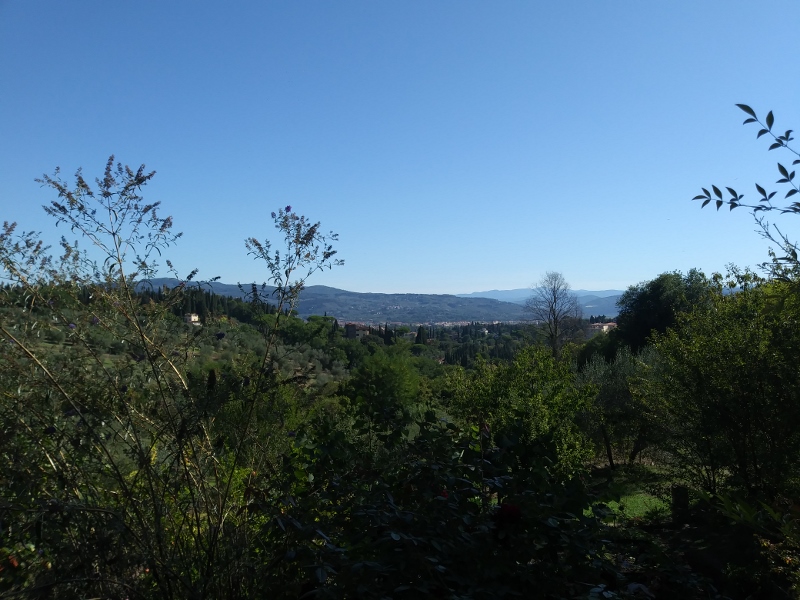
x: 765, y: 202
x: 782, y: 267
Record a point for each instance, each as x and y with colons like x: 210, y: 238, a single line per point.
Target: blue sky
x: 455, y: 146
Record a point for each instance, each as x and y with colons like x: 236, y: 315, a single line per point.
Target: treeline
x: 208, y: 305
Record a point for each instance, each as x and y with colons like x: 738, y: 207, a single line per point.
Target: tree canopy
x: 654, y: 306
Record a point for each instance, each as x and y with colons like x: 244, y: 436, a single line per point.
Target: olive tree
x: 619, y: 420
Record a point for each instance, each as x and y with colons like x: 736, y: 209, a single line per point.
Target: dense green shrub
x: 536, y: 390
x: 727, y: 390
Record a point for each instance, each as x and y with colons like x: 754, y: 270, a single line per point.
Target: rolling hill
x: 410, y: 308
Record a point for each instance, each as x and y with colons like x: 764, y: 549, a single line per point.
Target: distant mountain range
x: 592, y: 303
x: 496, y: 305
x: 519, y: 296
x: 597, y: 305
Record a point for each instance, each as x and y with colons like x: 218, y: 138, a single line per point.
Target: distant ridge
x: 405, y: 308
x: 593, y: 303
x: 519, y: 295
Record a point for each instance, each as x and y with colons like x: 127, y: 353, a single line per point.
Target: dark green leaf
x: 770, y: 120
x: 324, y: 537
x: 762, y: 132
x: 706, y: 202
x: 790, y: 193
x: 747, y: 109
x: 732, y: 192
x: 734, y: 205
x: 775, y: 145
x: 783, y: 170
x: 746, y: 121
x: 719, y: 203
x: 717, y: 193
x: 761, y: 190
x: 706, y: 192
x: 699, y: 198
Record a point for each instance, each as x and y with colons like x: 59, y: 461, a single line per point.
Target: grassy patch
x: 632, y: 492
x: 639, y: 506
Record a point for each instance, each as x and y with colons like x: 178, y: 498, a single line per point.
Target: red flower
x: 444, y: 494
x: 508, y: 514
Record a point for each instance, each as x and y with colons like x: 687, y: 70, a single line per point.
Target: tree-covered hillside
x: 379, y: 308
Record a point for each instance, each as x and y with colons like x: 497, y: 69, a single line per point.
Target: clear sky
x: 455, y: 146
